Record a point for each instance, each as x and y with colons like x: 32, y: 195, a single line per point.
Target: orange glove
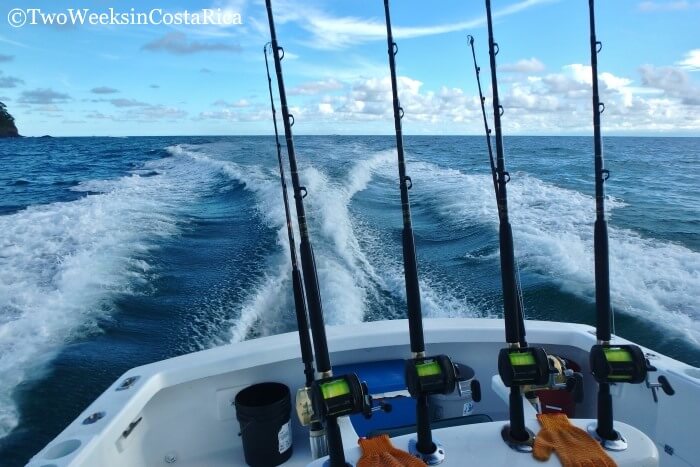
x: 575, y: 448
x: 379, y: 452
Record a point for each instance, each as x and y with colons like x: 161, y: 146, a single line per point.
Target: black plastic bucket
x: 263, y: 412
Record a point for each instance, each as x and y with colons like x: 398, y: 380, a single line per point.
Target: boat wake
x: 651, y: 279
x: 351, y: 284
x: 345, y: 274
x: 63, y: 265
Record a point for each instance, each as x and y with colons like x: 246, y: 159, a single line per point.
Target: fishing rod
x: 560, y: 375
x: 487, y: 130
x: 518, y: 365
x: 425, y: 376
x: 316, y: 429
x: 329, y: 396
x: 494, y: 176
x: 610, y: 364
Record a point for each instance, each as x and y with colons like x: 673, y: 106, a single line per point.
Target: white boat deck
x: 181, y: 409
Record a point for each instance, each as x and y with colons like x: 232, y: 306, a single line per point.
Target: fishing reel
x: 427, y: 376
x: 523, y: 366
x: 618, y: 364
x: 535, y: 370
x: 626, y: 364
x: 430, y: 375
x: 334, y: 397
x: 561, y: 377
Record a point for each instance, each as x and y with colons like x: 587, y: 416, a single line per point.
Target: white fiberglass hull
x: 180, y: 412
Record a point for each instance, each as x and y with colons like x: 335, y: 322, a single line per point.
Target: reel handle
x: 574, y: 385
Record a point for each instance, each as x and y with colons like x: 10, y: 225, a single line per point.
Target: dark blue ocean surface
x: 116, y: 252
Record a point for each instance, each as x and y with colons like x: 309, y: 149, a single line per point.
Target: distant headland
x: 7, y: 123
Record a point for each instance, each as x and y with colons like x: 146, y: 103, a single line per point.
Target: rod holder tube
x: 319, y: 442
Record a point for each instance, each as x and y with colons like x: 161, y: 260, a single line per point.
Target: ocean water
x: 116, y: 252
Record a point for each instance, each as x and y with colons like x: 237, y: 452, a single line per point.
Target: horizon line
x: 573, y: 135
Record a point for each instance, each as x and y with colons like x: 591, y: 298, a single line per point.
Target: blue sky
x: 210, y: 79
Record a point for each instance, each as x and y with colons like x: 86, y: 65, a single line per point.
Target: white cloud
x: 140, y: 112
x: 240, y: 103
x: 177, y: 43
x: 316, y: 87
x: 371, y: 100
x: 528, y: 65
x: 127, y: 103
x: 673, y: 82
x: 691, y: 62
x: 245, y: 113
x: 159, y: 112
x: 9, y: 81
x: 656, y: 100
x: 674, y: 5
x: 43, y: 96
x: 329, y: 32
x: 325, y: 108
x: 104, y: 90
x: 354, y: 67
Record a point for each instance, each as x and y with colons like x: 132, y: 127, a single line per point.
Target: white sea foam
x: 348, y: 275
x: 652, y: 279
x: 345, y: 274
x: 63, y: 264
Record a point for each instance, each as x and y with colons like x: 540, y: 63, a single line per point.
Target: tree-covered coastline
x: 7, y: 123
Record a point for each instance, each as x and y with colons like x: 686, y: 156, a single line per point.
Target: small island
x: 7, y: 123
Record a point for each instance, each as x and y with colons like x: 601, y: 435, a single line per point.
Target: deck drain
x: 62, y: 449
